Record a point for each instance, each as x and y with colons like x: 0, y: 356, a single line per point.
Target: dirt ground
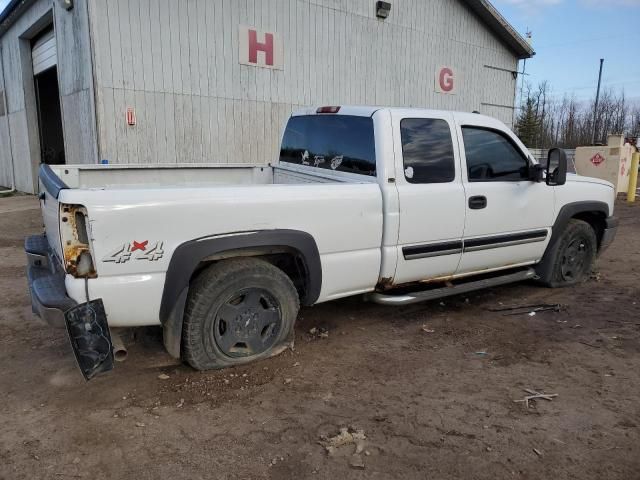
x: 432, y: 386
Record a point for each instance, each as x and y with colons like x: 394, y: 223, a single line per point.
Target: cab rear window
x: 343, y: 143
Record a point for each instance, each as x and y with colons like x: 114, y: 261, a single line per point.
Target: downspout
x: 6, y: 114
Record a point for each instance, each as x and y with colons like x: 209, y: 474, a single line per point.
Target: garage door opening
x: 48, y: 98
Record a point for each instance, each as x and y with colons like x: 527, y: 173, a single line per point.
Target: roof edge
x: 11, y: 13
x: 501, y: 27
x: 483, y: 8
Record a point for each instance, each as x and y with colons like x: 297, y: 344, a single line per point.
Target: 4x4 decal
x: 145, y: 251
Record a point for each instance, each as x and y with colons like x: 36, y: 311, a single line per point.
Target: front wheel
x: 238, y: 311
x: 573, y: 255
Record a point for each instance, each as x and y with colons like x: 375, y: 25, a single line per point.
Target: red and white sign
x: 131, y: 116
x: 597, y: 159
x: 259, y: 48
x: 447, y: 80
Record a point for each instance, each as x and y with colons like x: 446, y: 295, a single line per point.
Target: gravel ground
x: 432, y: 387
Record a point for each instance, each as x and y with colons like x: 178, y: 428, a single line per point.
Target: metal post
x: 595, y: 108
x: 633, y: 178
x: 524, y: 67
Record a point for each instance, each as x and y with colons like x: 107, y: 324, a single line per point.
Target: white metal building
x: 158, y: 81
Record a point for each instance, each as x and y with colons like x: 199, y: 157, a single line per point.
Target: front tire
x: 238, y: 311
x: 573, y: 256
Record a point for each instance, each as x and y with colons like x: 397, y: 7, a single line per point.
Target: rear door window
x: 343, y: 143
x: 427, y: 150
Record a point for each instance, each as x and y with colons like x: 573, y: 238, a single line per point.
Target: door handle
x: 478, y: 202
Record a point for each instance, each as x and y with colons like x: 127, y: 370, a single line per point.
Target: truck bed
x: 124, y: 176
x: 167, y: 205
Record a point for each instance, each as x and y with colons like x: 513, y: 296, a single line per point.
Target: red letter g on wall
x: 446, y: 79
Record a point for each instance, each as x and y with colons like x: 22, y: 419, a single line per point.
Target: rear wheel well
x: 596, y: 220
x: 287, y: 259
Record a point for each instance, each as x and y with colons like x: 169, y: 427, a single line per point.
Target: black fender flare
x: 187, y: 256
x: 566, y: 213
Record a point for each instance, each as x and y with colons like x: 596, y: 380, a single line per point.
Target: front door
x: 508, y: 217
x: 431, y: 196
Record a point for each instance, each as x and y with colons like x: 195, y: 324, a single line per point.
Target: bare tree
x: 544, y: 122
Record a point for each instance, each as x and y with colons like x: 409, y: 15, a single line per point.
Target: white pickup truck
x: 403, y: 205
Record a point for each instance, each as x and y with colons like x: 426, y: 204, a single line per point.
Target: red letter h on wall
x: 266, y: 47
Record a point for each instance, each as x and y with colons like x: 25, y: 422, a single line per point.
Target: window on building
x: 336, y: 142
x: 427, y: 150
x: 492, y: 157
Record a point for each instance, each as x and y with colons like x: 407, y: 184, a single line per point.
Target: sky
x: 571, y: 36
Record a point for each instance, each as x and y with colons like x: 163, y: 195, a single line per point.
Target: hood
x: 574, y: 177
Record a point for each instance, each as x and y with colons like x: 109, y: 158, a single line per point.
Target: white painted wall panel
x: 5, y: 147
x: 21, y: 151
x: 75, y: 79
x: 16, y: 55
x: 5, y: 153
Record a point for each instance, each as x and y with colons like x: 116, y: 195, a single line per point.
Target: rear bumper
x: 610, y: 230
x: 86, y: 323
x: 49, y: 299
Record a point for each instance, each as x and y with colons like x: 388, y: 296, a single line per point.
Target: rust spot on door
x: 385, y: 283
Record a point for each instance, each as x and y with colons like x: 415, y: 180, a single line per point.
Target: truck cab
x: 462, y: 195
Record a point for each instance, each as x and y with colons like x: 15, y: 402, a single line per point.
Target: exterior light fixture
x: 66, y: 4
x: 383, y: 9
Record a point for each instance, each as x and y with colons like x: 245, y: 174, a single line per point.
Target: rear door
x: 508, y: 216
x: 430, y: 193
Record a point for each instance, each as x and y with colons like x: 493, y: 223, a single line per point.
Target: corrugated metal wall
x: 76, y: 91
x: 5, y: 142
x: 75, y: 76
x: 177, y: 64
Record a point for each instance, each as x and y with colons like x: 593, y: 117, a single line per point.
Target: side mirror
x: 556, y: 167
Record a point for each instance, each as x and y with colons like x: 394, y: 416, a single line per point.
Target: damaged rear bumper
x: 86, y: 323
x: 49, y: 299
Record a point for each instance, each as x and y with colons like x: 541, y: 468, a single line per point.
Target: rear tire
x: 238, y: 311
x: 573, y: 256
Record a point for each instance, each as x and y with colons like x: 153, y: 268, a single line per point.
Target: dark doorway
x: 49, y: 117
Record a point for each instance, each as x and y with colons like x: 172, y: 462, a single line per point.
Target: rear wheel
x: 573, y: 256
x: 238, y: 311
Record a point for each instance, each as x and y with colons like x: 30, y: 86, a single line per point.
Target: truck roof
x: 369, y: 110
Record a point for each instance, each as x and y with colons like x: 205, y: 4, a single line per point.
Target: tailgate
x: 50, y: 186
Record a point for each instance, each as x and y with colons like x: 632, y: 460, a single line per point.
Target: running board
x: 433, y: 294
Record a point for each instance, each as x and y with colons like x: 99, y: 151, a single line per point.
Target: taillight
x: 328, y: 110
x: 76, y: 248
